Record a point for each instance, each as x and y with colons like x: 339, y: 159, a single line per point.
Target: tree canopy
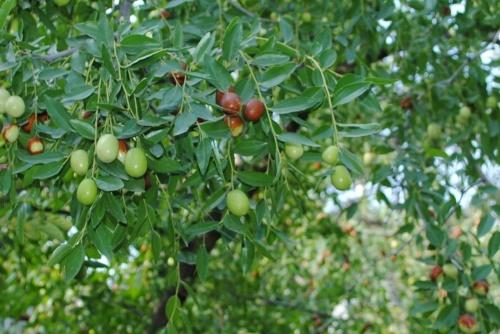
x: 251, y: 166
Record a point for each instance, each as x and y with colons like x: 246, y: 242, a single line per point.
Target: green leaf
x: 43, y: 158
x: 104, y: 31
x: 214, y: 200
x: 358, y: 130
x: 435, y: 235
x: 327, y: 58
x: 310, y: 98
x: 248, y: 256
x: 494, y: 244
x: 295, y: 138
x: 58, y: 113
x: 138, y: 43
x: 256, y: 179
x: 346, y: 93
x: 370, y: 102
x: 78, y: 93
x: 286, y: 30
x: 481, y: 272
x: 145, y: 58
x: 102, y: 238
x: 171, y: 307
x: 245, y: 88
x: 276, y: 75
x: 183, y: 122
x: 250, y: 147
x: 435, y: 152
x: 165, y: 165
x: 89, y: 28
x: 114, y: 168
x: 5, y: 181
x: 42, y: 172
x: 425, y: 285
x: 107, y: 61
x: 156, y: 244
x: 220, y: 77
x: 234, y: 224
x: 109, y: 183
x: 485, y: 225
x: 129, y: 129
x: 48, y: 74
x: 152, y: 120
x: 381, y: 173
x: 493, y: 312
x: 175, y: 3
x: 98, y: 212
x: 351, y: 161
x: 6, y: 8
x: 7, y: 65
x: 19, y: 169
x: 203, y: 153
x: 215, y: 130
x: 200, y: 228
x: 178, y: 35
x: 232, y: 39
x: 270, y: 59
x: 170, y: 329
x: 202, y: 262
x: 73, y: 262
x: 204, y: 47
x: 83, y: 128
x: 171, y: 98
x: 59, y: 254
x: 141, y: 86
x: 424, y: 308
x: 114, y: 207
x: 447, y: 317
x: 54, y: 133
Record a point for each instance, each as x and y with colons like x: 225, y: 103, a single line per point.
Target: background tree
x: 252, y: 166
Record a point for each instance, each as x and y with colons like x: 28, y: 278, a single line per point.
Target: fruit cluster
x: 230, y: 103
x: 14, y: 107
x: 107, y: 150
x: 467, y: 323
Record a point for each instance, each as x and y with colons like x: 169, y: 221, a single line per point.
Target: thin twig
x: 239, y: 7
x: 125, y: 10
x: 466, y: 62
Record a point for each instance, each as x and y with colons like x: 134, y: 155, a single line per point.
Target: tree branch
x: 55, y: 56
x: 187, y: 273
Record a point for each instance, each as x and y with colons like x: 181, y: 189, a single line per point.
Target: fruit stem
x: 121, y: 81
x: 328, y: 97
x: 35, y: 98
x: 96, y: 124
x: 231, y: 156
x: 221, y: 22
